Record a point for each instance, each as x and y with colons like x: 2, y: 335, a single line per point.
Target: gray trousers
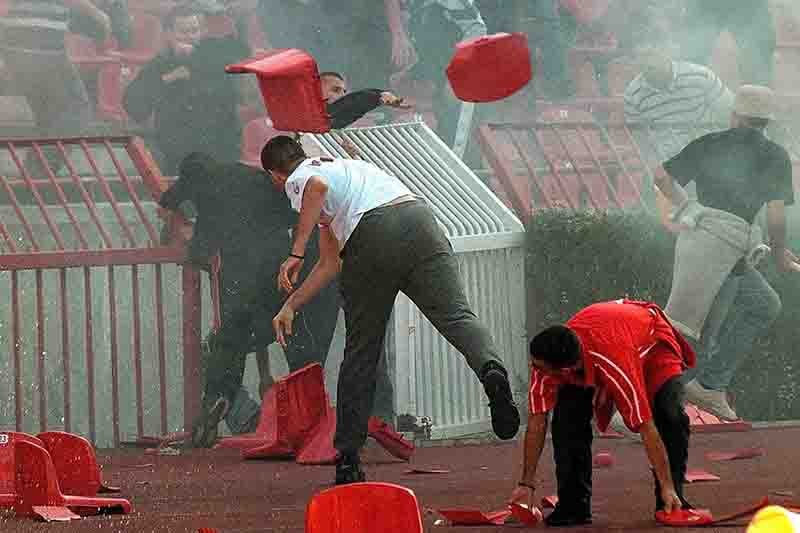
x: 393, y: 249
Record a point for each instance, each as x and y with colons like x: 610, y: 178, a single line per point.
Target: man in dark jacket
x: 247, y: 221
x: 185, y: 88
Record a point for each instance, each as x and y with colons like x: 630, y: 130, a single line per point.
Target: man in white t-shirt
x: 384, y: 240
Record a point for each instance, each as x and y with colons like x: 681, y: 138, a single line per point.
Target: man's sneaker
x: 206, y: 425
x: 505, y: 416
x: 348, y: 470
x: 561, y: 517
x: 713, y: 401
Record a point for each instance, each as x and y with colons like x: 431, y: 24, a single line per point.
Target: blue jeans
x: 745, y: 308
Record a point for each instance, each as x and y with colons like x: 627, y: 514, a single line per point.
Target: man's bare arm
x: 673, y: 193
x: 310, y: 212
x: 327, y: 267
x: 532, y: 447
x: 657, y: 454
x: 776, y: 225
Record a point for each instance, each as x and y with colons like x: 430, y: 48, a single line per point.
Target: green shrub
x: 578, y: 258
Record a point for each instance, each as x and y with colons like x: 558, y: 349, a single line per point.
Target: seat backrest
x: 37, y: 483
x: 75, y: 463
x: 291, y: 88
x: 362, y: 508
x: 8, y: 464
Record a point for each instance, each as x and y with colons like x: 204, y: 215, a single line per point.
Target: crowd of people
x: 296, y: 271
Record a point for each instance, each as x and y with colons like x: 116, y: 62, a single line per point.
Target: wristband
x: 300, y: 257
x: 527, y: 485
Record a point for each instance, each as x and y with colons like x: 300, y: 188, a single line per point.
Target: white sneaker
x: 713, y: 401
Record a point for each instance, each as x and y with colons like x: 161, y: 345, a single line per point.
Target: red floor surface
x: 218, y: 490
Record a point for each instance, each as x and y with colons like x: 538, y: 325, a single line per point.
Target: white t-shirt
x: 354, y: 187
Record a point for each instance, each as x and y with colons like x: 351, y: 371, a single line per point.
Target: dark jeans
x: 393, y: 249
x: 246, y: 326
x: 572, y: 442
x: 749, y: 22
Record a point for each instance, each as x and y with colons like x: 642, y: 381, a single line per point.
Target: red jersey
x: 629, y: 351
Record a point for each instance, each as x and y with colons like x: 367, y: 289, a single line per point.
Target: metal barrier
x: 569, y: 159
x: 102, y: 324
x: 431, y: 379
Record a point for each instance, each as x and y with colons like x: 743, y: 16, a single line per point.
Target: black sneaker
x: 206, y: 425
x: 505, y: 416
x: 348, y: 470
x: 561, y: 517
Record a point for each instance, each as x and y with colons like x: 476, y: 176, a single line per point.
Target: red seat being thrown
x: 291, y: 89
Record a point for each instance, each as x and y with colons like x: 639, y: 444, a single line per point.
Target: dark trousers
x: 749, y: 22
x: 572, y: 442
x: 246, y: 326
x: 393, y: 249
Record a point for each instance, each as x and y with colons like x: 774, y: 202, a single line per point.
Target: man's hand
x: 786, y: 261
x: 523, y: 495
x: 282, y: 323
x: 290, y: 271
x: 350, y: 148
x: 180, y: 73
x: 392, y: 100
x: 671, y: 500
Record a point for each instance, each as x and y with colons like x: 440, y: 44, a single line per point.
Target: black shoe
x: 505, y: 416
x: 348, y: 470
x: 560, y: 517
x: 206, y: 425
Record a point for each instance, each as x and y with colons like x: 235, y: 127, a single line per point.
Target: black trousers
x: 393, y: 249
x: 572, y: 442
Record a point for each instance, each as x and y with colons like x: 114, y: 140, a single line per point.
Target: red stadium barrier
x: 89, y: 292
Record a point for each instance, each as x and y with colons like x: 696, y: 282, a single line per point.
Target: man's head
x: 185, y: 25
x: 280, y: 156
x: 334, y: 86
x: 555, y: 349
x: 655, y: 62
x: 753, y: 107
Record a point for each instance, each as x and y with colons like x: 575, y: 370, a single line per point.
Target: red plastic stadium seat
x: 290, y: 85
x: 364, y: 507
x: 147, y: 38
x: 490, y: 68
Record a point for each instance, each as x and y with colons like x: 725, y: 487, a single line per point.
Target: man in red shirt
x: 622, y: 354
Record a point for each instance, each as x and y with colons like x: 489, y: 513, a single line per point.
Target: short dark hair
x: 558, y: 346
x: 178, y: 12
x: 331, y: 74
x: 281, y: 153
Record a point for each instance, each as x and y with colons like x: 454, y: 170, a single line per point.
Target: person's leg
x: 368, y: 294
x: 707, y: 347
x: 703, y: 24
x: 264, y: 373
x: 672, y: 423
x: 752, y: 26
x: 755, y: 308
x: 435, y: 285
x: 546, y: 33
x: 572, y: 452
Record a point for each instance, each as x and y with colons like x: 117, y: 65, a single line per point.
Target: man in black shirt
x: 737, y: 172
x: 185, y: 88
x: 247, y: 221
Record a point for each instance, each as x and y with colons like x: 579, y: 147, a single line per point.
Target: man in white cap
x: 718, y: 297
